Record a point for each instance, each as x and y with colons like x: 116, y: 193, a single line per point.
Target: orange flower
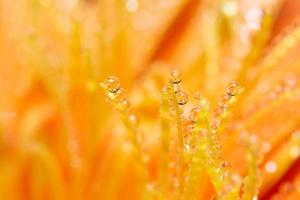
x: 61, y: 139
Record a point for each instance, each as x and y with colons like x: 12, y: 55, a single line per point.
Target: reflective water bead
x: 175, y: 77
x: 124, y: 104
x: 204, y: 104
x: 224, y: 99
x: 182, y: 97
x: 120, y: 95
x: 165, y: 91
x: 232, y: 89
x: 187, y: 147
x: 230, y: 8
x: 271, y: 167
x: 197, y: 95
x: 190, y: 128
x: 219, y: 111
x: 133, y: 119
x: 194, y: 114
x: 112, y: 84
x: 225, y: 165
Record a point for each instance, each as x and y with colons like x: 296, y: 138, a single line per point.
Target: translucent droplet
x: 214, y: 127
x: 189, y: 128
x: 165, y: 91
x: 230, y: 8
x: 175, y: 76
x: 120, y: 95
x: 124, y: 104
x: 182, y: 97
x: 187, y: 147
x: 225, y: 165
x: 133, y: 119
x: 224, y: 100
x: 112, y: 84
x: 194, y: 114
x: 271, y: 167
x: 204, y: 104
x: 232, y: 89
x: 132, y: 5
x: 197, y: 95
x: 265, y: 147
x: 219, y: 111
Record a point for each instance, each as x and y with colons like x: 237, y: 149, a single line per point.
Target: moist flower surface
x: 140, y: 99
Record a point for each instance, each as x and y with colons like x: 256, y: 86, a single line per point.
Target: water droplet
x: 182, y: 97
x: 197, y: 95
x: 175, y: 76
x: 225, y: 165
x: 265, y: 147
x: 271, y: 167
x: 120, y: 95
x: 232, y: 89
x: 194, y: 114
x: 214, y: 127
x: 204, y: 104
x: 190, y: 128
x: 165, y: 91
x: 133, y: 119
x: 132, y: 5
x: 112, y: 84
x: 230, y: 8
x: 219, y: 111
x: 187, y: 147
x: 224, y: 100
x: 124, y: 104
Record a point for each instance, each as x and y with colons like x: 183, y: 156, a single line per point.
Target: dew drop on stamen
x: 120, y: 95
x: 124, y: 104
x: 112, y: 84
x: 133, y: 119
x: 182, y: 97
x: 194, y: 114
x: 225, y: 165
x: 197, y: 95
x: 232, y: 89
x: 224, y: 100
x: 175, y: 77
x: 271, y: 167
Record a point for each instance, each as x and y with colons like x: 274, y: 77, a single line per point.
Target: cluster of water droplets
x: 181, y: 96
x: 232, y: 90
x: 117, y: 96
